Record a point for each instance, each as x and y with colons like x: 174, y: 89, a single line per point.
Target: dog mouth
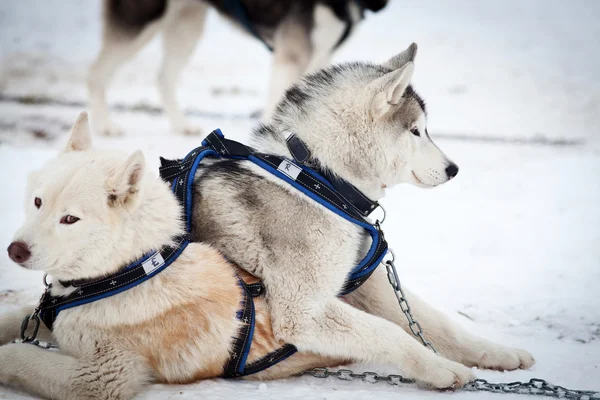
x: 417, y: 178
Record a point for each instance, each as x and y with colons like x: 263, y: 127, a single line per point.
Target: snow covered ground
x: 509, y: 249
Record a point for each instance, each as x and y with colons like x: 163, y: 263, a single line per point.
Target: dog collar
x: 355, y: 197
x: 88, y: 291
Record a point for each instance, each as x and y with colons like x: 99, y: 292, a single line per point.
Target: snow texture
x: 509, y: 249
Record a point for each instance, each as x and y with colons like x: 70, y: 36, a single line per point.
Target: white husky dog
x: 89, y: 213
x: 366, y: 124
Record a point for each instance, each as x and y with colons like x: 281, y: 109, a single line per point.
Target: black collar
x: 355, y: 197
x: 91, y: 290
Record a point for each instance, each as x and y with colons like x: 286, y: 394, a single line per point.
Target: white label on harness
x: 153, y: 263
x: 290, y: 169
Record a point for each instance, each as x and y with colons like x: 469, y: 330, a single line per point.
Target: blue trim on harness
x: 373, y: 232
x: 248, y: 345
x: 132, y: 284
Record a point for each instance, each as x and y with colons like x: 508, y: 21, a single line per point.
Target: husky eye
x: 415, y: 131
x: 38, y: 202
x: 68, y: 219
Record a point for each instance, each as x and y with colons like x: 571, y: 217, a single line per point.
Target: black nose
x: 451, y: 170
x: 19, y: 252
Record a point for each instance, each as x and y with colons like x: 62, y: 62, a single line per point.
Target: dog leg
x: 452, y: 341
x: 108, y: 374
x: 291, y: 54
x: 335, y: 329
x: 183, y: 27
x: 117, y: 48
x: 325, y: 34
x: 10, y: 326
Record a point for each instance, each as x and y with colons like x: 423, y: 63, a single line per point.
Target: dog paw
x: 504, y: 359
x: 439, y: 373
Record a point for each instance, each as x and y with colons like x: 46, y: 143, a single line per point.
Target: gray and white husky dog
x: 302, y: 34
x: 366, y: 124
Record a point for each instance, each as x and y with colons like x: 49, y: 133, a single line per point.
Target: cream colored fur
x: 175, y: 328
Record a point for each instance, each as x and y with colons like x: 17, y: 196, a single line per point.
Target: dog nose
x: 19, y: 252
x: 451, y: 170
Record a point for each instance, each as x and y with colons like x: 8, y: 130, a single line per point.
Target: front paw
x: 440, y: 373
x: 502, y: 358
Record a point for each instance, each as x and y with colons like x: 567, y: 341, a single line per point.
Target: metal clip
x: 35, y: 315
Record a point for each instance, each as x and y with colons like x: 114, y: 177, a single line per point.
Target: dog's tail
x: 133, y: 15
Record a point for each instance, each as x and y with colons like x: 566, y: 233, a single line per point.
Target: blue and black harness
x: 336, y: 195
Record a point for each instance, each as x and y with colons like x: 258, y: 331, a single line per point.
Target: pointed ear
x: 123, y: 184
x: 390, y: 88
x: 400, y: 60
x: 80, y: 139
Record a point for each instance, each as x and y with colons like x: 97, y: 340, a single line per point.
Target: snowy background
x: 510, y: 249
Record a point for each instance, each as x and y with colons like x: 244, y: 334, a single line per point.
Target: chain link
x: 535, y: 387
x: 349, y: 375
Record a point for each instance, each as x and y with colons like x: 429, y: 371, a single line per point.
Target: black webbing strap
x: 351, y: 194
x: 242, y: 342
x: 96, y: 289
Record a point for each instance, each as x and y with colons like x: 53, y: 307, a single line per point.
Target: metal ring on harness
x: 45, y: 279
x: 25, y: 325
x: 377, y: 221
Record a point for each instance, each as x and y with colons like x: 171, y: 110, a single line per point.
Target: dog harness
x: 238, y: 11
x: 334, y: 194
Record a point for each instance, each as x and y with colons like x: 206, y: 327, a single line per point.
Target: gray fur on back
x: 259, y: 221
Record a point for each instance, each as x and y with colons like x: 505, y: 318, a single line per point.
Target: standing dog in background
x: 301, y: 34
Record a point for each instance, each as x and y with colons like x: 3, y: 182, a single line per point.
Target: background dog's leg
x: 292, y: 51
x: 184, y: 25
x: 118, y: 46
x: 10, y: 326
x: 108, y: 374
x: 376, y: 296
x: 325, y: 35
x: 335, y: 329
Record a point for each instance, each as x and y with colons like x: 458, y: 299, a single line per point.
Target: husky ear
x: 390, y: 88
x: 400, y: 60
x: 123, y: 184
x: 80, y: 139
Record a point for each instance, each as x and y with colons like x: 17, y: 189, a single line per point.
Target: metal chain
x: 349, y: 375
x: 536, y: 387
x: 413, y: 324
